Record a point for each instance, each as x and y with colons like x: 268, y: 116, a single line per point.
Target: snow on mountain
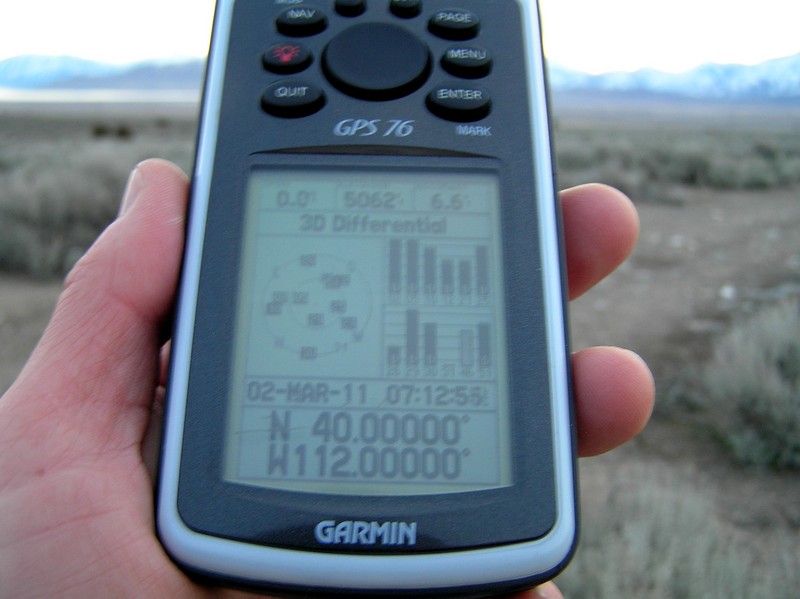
x: 778, y: 78
x: 30, y: 72
x: 64, y: 72
x: 143, y: 76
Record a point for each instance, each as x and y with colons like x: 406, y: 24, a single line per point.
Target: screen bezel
x: 522, y: 511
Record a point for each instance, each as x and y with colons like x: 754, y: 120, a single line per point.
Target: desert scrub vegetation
x: 658, y: 532
x: 661, y: 164
x: 61, y: 177
x: 749, y: 390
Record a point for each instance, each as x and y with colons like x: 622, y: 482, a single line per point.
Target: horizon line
x: 551, y: 61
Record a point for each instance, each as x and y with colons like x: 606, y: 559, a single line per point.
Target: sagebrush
x: 61, y: 179
x: 750, y: 388
x: 654, y: 533
x: 660, y: 164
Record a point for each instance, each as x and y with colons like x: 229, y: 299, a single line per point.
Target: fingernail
x: 132, y: 189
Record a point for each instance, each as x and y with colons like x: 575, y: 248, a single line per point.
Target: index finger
x: 601, y: 227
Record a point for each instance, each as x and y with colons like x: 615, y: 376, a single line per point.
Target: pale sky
x: 669, y: 35
x: 589, y: 35
x: 106, y: 30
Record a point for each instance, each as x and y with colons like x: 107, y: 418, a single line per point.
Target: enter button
x: 460, y: 103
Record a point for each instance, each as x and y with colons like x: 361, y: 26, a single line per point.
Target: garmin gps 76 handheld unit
x: 369, y: 383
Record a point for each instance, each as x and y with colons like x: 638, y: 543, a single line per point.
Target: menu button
x: 470, y: 62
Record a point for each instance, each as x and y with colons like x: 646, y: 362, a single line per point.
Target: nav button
x: 301, y: 21
x: 460, y: 103
x: 292, y: 99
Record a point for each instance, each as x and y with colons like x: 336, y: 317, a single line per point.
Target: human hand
x: 76, y: 492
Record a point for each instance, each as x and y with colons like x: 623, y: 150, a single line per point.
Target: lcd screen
x: 370, y: 347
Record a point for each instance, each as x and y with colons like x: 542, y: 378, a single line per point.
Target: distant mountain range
x: 66, y: 72
x: 774, y: 79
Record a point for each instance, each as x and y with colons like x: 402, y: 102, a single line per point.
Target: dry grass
x: 660, y: 165
x: 653, y: 532
x: 61, y: 177
x: 61, y: 180
x: 748, y: 393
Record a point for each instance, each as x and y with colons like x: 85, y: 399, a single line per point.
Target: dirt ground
x: 25, y: 308
x: 695, y: 266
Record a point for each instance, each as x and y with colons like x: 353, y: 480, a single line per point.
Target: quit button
x: 292, y: 98
x: 461, y: 103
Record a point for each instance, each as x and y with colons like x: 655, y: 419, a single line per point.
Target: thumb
x: 91, y: 378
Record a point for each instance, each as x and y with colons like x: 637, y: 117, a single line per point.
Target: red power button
x: 286, y: 58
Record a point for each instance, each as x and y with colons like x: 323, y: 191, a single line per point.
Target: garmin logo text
x: 359, y: 532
